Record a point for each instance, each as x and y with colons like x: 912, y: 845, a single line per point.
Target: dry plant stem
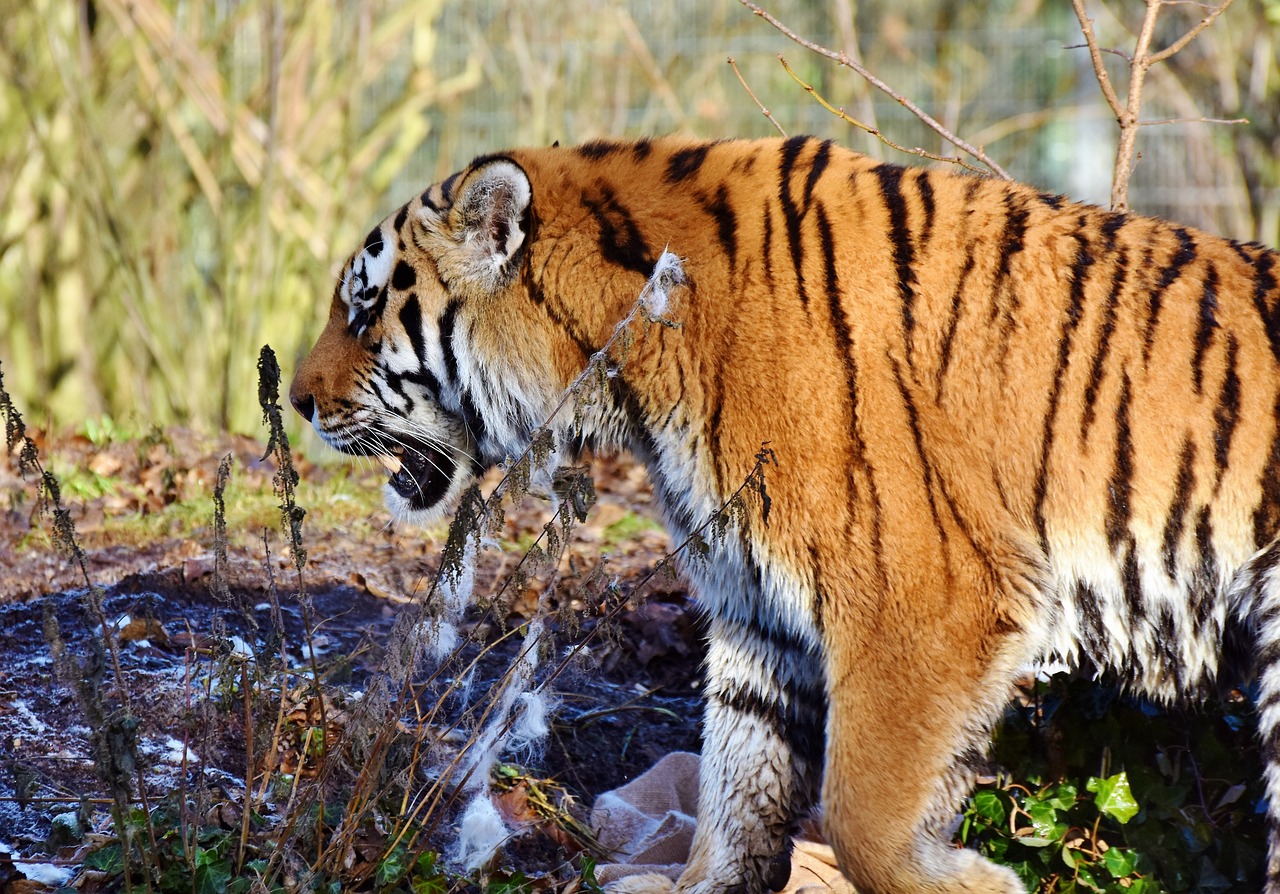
x: 754, y: 98
x: 1127, y: 114
x: 880, y: 85
x: 875, y: 132
x: 250, y: 765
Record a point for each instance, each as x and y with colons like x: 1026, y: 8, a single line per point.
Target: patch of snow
x: 42, y: 873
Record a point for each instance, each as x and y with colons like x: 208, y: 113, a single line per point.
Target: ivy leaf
x: 987, y: 804
x: 1120, y: 862
x: 1113, y: 797
x: 1044, y: 819
x: 1061, y: 796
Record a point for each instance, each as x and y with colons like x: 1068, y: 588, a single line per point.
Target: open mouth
x: 419, y: 472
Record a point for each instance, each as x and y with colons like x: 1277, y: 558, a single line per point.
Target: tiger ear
x: 488, y: 224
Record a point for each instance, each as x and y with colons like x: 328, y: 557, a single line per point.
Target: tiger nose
x: 304, y: 403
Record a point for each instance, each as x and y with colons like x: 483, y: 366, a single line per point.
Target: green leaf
x: 1062, y: 796
x: 212, y: 874
x: 1085, y: 877
x: 391, y: 868
x: 990, y: 806
x: 1044, y: 819
x: 109, y: 859
x: 1113, y: 797
x: 1120, y: 862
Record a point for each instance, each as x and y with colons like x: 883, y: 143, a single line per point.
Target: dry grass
x: 181, y: 180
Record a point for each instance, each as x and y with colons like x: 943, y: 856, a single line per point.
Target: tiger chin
x: 1007, y: 428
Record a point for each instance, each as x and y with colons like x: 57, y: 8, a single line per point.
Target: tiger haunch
x: 1007, y: 427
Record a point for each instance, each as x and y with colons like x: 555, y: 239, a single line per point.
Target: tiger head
x: 432, y: 361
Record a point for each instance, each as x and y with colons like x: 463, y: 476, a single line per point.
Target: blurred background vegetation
x: 181, y: 179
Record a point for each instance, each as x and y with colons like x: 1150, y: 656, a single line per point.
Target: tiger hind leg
x: 905, y: 743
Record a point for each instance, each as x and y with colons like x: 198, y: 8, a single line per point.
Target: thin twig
x: 1095, y: 53
x: 1112, y: 50
x: 843, y: 59
x: 1192, y: 34
x: 754, y: 98
x: 1157, y: 122
x: 875, y: 132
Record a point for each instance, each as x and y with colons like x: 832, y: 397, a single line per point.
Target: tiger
x: 1006, y: 428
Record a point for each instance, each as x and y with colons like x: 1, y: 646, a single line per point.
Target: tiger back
x: 1007, y: 427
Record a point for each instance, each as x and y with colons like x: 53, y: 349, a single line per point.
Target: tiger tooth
x: 391, y: 463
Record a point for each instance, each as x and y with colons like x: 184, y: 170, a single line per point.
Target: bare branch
x: 1190, y: 35
x: 843, y: 59
x: 1160, y: 121
x: 875, y: 132
x: 1112, y: 50
x: 1127, y: 116
x: 1095, y: 53
x: 754, y: 98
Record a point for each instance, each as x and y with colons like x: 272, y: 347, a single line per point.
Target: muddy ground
x: 626, y: 698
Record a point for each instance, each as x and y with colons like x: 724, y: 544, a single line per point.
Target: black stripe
x: 1011, y: 242
x: 373, y: 242
x: 1121, y: 482
x: 819, y: 591
x: 900, y: 238
x: 1266, y: 515
x: 446, y: 187
x: 403, y: 278
x: 791, y: 214
x: 953, y: 322
x: 447, y: 323
x: 411, y: 320
x: 927, y: 201
x: 620, y: 241
x: 1114, y: 223
x: 1075, y: 310
x: 726, y: 223
x: 978, y: 550
x: 1208, y: 323
x: 821, y: 157
x: 1119, y: 275
x: 844, y: 347
x: 1227, y: 411
x: 1093, y: 632
x: 913, y: 423
x: 1178, y: 509
x: 1133, y: 589
x: 1185, y: 254
x: 800, y: 723
x: 472, y: 418
x: 844, y: 338
x: 686, y: 162
x: 1264, y: 283
x: 766, y: 248
x: 595, y: 150
x: 421, y: 376
x: 1053, y: 200
x: 401, y: 216
x: 1208, y: 559
x: 379, y: 303
x: 1204, y: 587
x: 640, y: 150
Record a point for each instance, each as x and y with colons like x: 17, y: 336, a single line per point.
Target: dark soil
x: 628, y: 697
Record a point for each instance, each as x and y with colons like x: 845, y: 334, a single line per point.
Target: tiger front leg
x: 761, y: 758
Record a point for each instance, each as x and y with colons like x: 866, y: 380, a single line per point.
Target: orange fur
x: 1006, y: 426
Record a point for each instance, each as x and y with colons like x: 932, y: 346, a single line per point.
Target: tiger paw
x: 644, y: 883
